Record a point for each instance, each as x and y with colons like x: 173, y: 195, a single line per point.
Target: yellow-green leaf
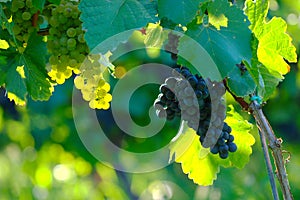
x: 199, y: 164
x: 275, y: 44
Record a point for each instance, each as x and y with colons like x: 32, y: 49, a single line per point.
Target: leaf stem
x: 275, y: 146
x: 240, y: 100
x: 269, y: 165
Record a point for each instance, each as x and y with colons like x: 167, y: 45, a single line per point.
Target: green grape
x: 71, y: 32
x: 26, y: 37
x: 53, y: 21
x: 31, y: 29
x: 73, y: 63
x: 52, y: 31
x: 80, y: 38
x: 40, y: 19
x: 80, y: 58
x: 64, y: 59
x: 74, y: 54
x: 62, y: 19
x: 71, y: 42
x: 21, y: 49
x: 29, y: 3
x: 55, y: 43
x: 18, y: 19
x: 81, y: 47
x: 20, y: 4
x: 70, y: 5
x: 20, y: 38
x: 26, y: 24
x: 14, y: 6
x: 53, y: 60
x: 94, y: 57
x: 64, y: 50
x: 33, y: 10
x: 75, y: 15
x: 26, y: 16
x: 63, y: 40
x: 60, y: 8
x: 16, y: 29
x: 67, y: 12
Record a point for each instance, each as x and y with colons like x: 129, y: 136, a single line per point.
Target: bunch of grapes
x: 92, y: 84
x: 66, y: 42
x: 187, y: 96
x: 26, y: 21
x: 172, y: 44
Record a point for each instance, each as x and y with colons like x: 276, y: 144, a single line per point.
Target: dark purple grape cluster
x: 187, y: 96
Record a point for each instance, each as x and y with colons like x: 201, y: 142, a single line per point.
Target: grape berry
x: 187, y: 96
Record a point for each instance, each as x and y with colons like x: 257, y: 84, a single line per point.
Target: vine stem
x: 275, y: 146
x: 269, y: 165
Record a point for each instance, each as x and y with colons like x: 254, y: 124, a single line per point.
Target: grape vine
x: 44, y: 43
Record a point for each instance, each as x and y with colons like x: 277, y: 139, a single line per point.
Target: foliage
x: 34, y: 58
x: 192, y: 156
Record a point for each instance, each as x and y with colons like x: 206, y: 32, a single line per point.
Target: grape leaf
x: 182, y: 12
x: 4, y: 21
x: 265, y: 81
x: 243, y: 139
x: 241, y: 83
x: 103, y: 19
x: 256, y: 12
x: 26, y: 72
x: 155, y: 35
x: 198, y: 57
x: 202, y: 167
x: 272, y: 45
x: 12, y: 79
x: 39, y: 4
x: 230, y: 44
x: 34, y: 62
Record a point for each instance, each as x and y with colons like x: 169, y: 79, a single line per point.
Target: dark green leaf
x: 14, y: 83
x: 39, y: 4
x: 103, y: 19
x: 227, y: 41
x: 26, y: 72
x: 240, y: 83
x: 36, y: 75
x: 181, y: 12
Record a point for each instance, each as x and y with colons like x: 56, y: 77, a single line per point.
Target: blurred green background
x: 42, y: 157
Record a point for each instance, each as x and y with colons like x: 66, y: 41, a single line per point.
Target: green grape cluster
x: 92, y: 84
x: 22, y: 12
x: 65, y: 42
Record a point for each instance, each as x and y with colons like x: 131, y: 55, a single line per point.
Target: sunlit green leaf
x: 272, y: 46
